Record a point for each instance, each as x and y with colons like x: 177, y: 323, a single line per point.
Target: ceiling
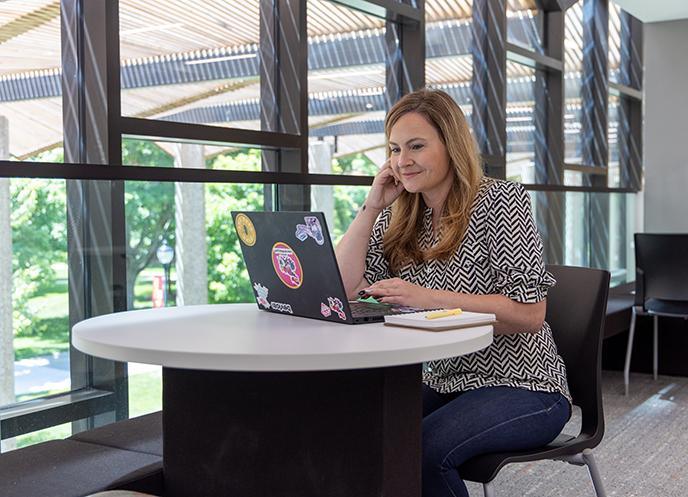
x: 656, y: 10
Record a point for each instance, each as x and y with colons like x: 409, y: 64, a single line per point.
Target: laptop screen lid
x: 291, y: 264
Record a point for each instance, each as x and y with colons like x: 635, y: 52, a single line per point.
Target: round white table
x: 257, y: 403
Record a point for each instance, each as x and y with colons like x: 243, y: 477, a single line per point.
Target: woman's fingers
x: 390, y: 300
x: 397, y: 179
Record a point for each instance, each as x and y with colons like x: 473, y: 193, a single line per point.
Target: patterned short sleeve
x: 376, y: 266
x: 515, y: 247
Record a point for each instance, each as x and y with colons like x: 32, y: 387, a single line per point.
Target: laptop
x: 293, y: 269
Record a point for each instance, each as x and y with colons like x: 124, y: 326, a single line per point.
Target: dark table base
x: 354, y: 433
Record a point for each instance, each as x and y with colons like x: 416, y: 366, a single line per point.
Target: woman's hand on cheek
x: 386, y: 187
x: 398, y: 291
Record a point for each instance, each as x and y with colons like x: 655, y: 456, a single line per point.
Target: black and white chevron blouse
x: 501, y: 254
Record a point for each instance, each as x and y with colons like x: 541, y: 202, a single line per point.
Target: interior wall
x: 666, y: 126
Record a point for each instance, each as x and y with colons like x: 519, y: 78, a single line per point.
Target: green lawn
x: 145, y: 396
x: 49, y: 334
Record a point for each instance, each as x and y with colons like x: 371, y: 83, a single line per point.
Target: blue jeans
x: 458, y: 426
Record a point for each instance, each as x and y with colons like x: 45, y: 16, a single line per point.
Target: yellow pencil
x: 443, y: 314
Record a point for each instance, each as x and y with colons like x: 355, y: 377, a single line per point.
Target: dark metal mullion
x: 146, y: 173
x: 633, y: 169
x: 118, y: 222
x: 488, y: 82
x: 530, y: 57
x: 269, y: 94
x: 549, y: 143
x: 595, y: 109
x: 95, y: 274
x: 292, y: 77
x: 404, y: 56
x: 636, y: 53
x: 391, y: 10
x: 626, y: 91
x: 170, y: 130
x: 594, y: 88
x: 186, y: 175
x: 52, y: 410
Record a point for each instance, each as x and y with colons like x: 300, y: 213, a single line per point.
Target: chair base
x: 584, y: 458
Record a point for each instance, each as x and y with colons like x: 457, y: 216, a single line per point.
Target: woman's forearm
x: 352, y: 248
x: 512, y: 316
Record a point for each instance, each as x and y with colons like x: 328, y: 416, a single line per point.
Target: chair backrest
x: 661, y: 267
x: 576, y: 309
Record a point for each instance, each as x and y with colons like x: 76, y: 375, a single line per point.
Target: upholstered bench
x: 126, y: 455
x: 68, y: 468
x: 142, y: 434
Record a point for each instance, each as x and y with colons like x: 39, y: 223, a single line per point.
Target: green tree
x: 149, y: 210
x: 39, y: 240
x: 349, y: 199
x: 227, y: 275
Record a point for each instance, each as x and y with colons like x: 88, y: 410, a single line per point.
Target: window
x: 525, y: 24
x: 347, y: 98
x: 573, y: 80
x: 448, y: 41
x: 220, y: 109
x: 191, y: 65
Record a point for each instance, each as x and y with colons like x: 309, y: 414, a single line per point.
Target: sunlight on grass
x: 53, y: 433
x: 145, y: 390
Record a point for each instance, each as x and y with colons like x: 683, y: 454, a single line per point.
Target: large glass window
x: 613, y: 170
x: 30, y: 96
x: 344, y: 204
x: 521, y: 132
x: 192, y: 65
x: 448, y: 39
x: 525, y: 24
x: 239, y: 65
x: 346, y: 89
x: 182, y: 250
x: 34, y: 322
x: 573, y: 66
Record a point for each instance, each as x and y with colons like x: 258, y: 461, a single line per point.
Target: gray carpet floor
x: 644, y: 452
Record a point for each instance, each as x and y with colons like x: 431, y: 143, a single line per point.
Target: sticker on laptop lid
x: 279, y: 306
x: 245, y: 229
x: 337, y: 307
x: 312, y: 228
x: 287, y: 265
x: 325, y: 310
x: 261, y: 295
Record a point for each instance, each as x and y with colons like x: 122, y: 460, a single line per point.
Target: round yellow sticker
x: 245, y: 229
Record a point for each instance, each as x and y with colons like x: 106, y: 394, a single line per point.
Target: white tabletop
x: 239, y: 337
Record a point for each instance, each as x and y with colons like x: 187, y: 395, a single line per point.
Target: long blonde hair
x: 401, y: 238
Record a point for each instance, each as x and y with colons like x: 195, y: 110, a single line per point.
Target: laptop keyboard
x: 362, y: 309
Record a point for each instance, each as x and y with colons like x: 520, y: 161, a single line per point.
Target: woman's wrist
x: 367, y: 210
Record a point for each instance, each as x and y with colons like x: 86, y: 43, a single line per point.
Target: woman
x: 434, y: 232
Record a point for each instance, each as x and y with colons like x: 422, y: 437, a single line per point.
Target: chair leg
x: 655, y: 359
x: 629, y: 348
x: 594, y: 473
x: 488, y: 489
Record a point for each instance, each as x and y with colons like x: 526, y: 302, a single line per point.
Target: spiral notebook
x: 420, y: 321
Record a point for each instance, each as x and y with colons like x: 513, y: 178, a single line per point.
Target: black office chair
x: 576, y: 309
x: 661, y: 285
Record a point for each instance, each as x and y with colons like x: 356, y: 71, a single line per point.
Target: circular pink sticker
x: 287, y: 265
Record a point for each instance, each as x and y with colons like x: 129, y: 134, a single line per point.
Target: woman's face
x: 419, y: 156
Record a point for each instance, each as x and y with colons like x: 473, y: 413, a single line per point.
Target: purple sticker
x: 325, y: 310
x: 312, y: 228
x: 337, y: 306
